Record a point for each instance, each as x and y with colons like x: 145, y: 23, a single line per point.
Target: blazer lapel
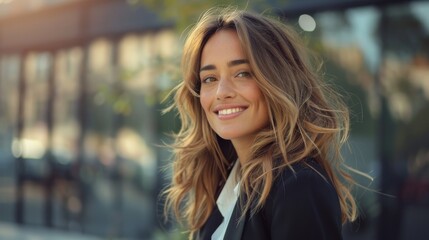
x: 234, y: 230
x: 212, y: 223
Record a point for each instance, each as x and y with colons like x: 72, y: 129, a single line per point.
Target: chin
x: 227, y: 136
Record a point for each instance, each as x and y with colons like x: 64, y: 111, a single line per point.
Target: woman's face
x: 230, y: 96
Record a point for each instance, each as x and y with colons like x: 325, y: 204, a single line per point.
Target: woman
x: 258, y: 153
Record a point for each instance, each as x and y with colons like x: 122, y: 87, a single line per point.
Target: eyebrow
x: 230, y: 64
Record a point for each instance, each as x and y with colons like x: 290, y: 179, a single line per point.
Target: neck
x: 243, y: 147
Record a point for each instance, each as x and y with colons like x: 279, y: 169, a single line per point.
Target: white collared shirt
x: 226, y: 201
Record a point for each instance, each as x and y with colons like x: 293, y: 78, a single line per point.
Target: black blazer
x: 301, y: 205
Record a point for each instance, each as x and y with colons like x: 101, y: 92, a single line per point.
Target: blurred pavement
x: 10, y: 231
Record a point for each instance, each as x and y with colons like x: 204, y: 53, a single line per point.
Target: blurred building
x: 377, y: 53
x: 80, y: 123
x: 79, y: 100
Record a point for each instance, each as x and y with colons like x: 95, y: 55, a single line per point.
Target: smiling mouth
x: 229, y: 111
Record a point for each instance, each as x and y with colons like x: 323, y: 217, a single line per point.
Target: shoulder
x: 305, y: 182
x: 303, y: 202
x: 305, y: 177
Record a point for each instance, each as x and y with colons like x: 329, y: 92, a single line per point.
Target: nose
x: 225, y: 89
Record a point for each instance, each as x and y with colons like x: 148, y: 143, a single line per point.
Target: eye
x: 208, y: 80
x: 244, y: 75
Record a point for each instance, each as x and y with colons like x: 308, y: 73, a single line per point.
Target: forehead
x: 224, y: 45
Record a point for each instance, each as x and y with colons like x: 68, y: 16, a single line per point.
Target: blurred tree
x: 405, y: 33
x: 402, y: 38
x: 405, y: 45
x: 186, y: 12
x: 355, y: 96
x: 348, y: 76
x: 413, y: 136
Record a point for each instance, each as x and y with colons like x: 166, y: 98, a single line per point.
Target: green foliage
x: 170, y: 235
x: 186, y: 12
x: 115, y: 95
x: 413, y: 136
x: 361, y: 120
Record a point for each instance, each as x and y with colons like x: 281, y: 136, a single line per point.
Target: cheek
x: 257, y: 95
x: 262, y: 104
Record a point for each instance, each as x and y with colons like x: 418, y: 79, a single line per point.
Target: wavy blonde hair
x: 307, y: 119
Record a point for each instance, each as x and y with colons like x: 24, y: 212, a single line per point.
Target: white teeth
x: 230, y: 111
